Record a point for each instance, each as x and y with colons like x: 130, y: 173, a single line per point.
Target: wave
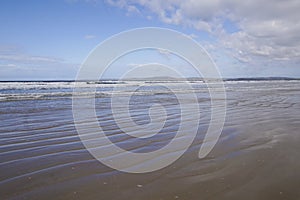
x: 50, y: 90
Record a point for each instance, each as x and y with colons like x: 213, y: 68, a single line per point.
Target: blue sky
x: 50, y: 39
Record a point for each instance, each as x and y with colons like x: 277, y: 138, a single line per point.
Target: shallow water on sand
x: 257, y: 156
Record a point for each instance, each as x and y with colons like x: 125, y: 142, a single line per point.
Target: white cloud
x: 134, y: 65
x: 28, y: 58
x: 14, y: 54
x: 16, y: 64
x: 266, y: 30
x: 89, y: 37
x: 133, y: 9
x: 164, y: 52
x: 8, y: 65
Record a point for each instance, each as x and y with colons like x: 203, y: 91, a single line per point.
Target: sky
x: 49, y: 40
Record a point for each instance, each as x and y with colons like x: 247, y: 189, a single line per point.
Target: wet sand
x: 257, y: 156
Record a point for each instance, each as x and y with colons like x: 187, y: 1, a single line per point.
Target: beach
x: 256, y: 157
